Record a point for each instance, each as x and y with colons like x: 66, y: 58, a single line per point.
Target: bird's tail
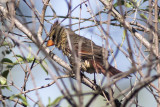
x: 113, y: 71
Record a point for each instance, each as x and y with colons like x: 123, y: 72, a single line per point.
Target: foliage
x: 24, y: 30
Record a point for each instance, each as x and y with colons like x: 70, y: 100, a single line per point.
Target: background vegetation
x: 32, y: 76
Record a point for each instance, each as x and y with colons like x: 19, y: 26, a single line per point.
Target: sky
x: 17, y: 75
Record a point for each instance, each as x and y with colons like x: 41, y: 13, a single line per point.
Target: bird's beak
x: 50, y: 43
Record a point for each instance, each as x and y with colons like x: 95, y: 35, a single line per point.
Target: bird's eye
x: 52, y: 35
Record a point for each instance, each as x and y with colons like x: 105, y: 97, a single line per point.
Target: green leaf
x: 20, y: 58
x: 3, y: 53
x: 6, y: 87
x: 3, y: 80
x: 8, y: 51
x: 55, y: 102
x: 6, y: 60
x: 5, y: 73
x: 24, y: 101
x: 144, y: 1
x: 23, y: 59
x: 123, y: 38
x: 7, y: 44
x: 129, y: 5
x: 30, y: 59
x: 10, y: 66
x: 43, y: 66
x: 143, y: 16
x: 159, y: 19
x: 115, y: 4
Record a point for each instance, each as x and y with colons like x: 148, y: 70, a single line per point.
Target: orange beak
x: 50, y: 43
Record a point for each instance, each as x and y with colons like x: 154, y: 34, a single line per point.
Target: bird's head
x: 54, y: 34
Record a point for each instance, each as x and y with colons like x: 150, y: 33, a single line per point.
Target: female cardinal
x: 90, y: 54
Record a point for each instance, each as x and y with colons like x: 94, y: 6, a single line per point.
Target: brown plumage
x: 58, y: 37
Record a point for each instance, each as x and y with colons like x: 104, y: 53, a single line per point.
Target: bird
x: 90, y: 53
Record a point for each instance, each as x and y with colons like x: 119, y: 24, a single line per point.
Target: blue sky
x: 53, y: 92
